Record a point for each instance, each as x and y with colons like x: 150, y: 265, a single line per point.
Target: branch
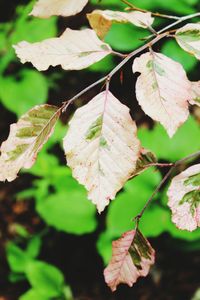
x: 180, y: 20
x: 158, y: 36
x: 174, y: 166
x: 156, y: 14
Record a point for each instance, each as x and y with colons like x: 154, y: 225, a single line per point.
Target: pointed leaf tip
x: 132, y: 257
x: 162, y: 90
x: 102, y: 148
x: 73, y: 50
x: 25, y: 140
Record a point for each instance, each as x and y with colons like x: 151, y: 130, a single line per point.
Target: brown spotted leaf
x: 73, y: 50
x: 184, y: 198
x: 48, y: 8
x: 162, y: 90
x: 25, y: 140
x: 102, y: 148
x: 101, y: 20
x: 132, y: 257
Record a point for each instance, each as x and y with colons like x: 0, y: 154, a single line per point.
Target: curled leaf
x: 101, y: 20
x: 188, y: 38
x: 162, y: 90
x: 195, y: 100
x: 73, y: 50
x: 132, y: 257
x: 102, y: 148
x: 48, y: 8
x: 184, y: 198
x: 145, y: 160
x: 25, y: 140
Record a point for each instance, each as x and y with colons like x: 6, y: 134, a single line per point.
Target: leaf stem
x: 174, y: 166
x: 157, y: 36
x: 180, y: 20
x: 156, y: 14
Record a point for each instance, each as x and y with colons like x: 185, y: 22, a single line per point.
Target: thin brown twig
x: 156, y: 14
x: 177, y: 163
x: 160, y: 34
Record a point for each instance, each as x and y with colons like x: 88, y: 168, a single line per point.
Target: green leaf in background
x: 104, y: 65
x: 68, y: 208
x: 175, y: 6
x: 125, y: 37
x: 33, y: 247
x: 17, y: 258
x: 183, y: 143
x: 172, y: 49
x: 33, y: 294
x: 125, y: 207
x: 129, y: 203
x: 45, y: 279
x: 20, y: 95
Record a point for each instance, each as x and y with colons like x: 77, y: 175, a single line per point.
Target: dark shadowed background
x: 46, y: 220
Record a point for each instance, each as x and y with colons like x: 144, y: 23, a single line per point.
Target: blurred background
x: 46, y: 220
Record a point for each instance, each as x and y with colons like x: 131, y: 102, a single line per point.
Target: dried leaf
x: 48, y: 8
x: 195, y: 93
x: 101, y: 20
x: 73, y: 50
x: 162, y: 90
x: 145, y: 160
x: 188, y: 38
x: 25, y: 140
x: 102, y: 148
x: 131, y: 258
x: 184, y: 198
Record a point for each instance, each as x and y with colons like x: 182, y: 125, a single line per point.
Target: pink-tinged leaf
x: 132, y: 257
x: 163, y: 90
x: 65, y: 8
x: 184, y: 198
x: 26, y: 139
x: 188, y: 38
x: 195, y: 99
x: 73, y: 50
x: 101, y: 20
x: 102, y: 147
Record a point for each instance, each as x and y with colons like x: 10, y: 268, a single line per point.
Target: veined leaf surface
x: 184, y: 198
x: 25, y: 140
x: 48, y: 8
x: 73, y: 50
x: 162, y: 90
x: 102, y: 148
x: 131, y: 258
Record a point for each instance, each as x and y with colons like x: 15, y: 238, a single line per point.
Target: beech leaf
x: 73, y: 50
x: 195, y: 100
x: 25, y: 140
x: 145, y: 160
x: 101, y: 20
x: 102, y: 148
x: 48, y: 8
x: 188, y: 38
x: 132, y: 257
x: 162, y: 90
x: 184, y: 198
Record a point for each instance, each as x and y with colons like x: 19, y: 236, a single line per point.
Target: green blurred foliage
x: 46, y: 281
x: 59, y: 200
x: 17, y: 87
x: 174, y: 148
